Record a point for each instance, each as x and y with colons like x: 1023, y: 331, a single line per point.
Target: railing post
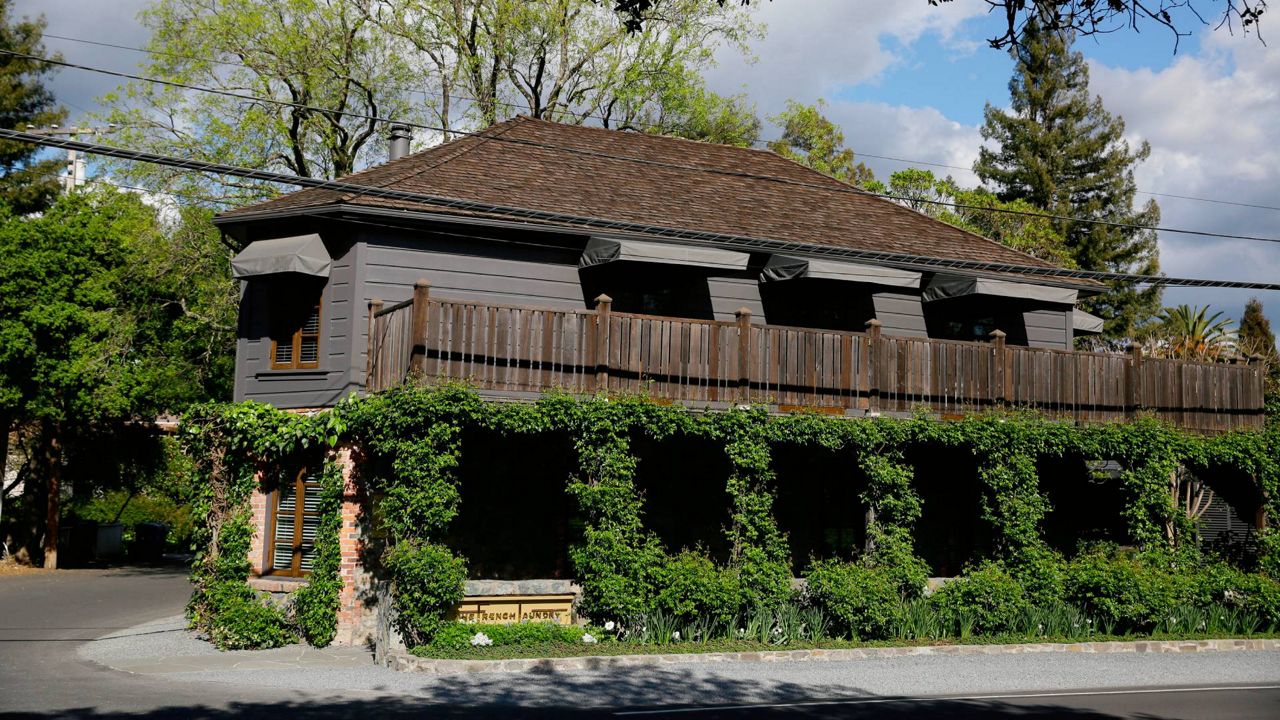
x: 744, y: 353
x: 1133, y: 393
x: 873, y: 367
x: 418, y: 336
x: 604, y: 306
x: 372, y: 347
x: 1001, y: 366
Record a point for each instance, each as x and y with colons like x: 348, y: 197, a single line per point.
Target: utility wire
x: 456, y: 96
x: 833, y: 186
x: 743, y: 242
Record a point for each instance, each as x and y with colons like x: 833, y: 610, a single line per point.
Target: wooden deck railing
x: 527, y: 350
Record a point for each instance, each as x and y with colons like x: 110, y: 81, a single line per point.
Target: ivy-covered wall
x: 410, y: 440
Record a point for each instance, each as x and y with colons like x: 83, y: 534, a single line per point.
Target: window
x: 294, y: 519
x: 295, y: 343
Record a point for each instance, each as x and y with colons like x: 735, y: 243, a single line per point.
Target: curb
x: 404, y: 662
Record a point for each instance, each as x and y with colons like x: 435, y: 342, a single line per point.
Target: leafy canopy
x: 26, y: 183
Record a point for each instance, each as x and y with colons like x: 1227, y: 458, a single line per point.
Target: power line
x: 833, y: 186
x: 455, y: 96
x: 743, y: 242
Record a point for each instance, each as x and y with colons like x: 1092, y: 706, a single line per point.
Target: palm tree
x: 1191, y: 333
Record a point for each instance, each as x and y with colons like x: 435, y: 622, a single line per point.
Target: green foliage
x: 1015, y: 223
x: 1255, y: 336
x: 315, y: 605
x: 410, y: 441
x: 812, y: 140
x: 427, y: 580
x: 26, y: 185
x: 243, y: 620
x: 691, y: 586
x: 988, y: 596
x: 458, y: 635
x: 1124, y: 588
x: 1058, y: 149
x: 861, y: 601
x: 759, y: 549
x: 1191, y: 333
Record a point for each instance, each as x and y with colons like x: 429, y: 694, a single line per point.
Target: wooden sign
x: 506, y: 609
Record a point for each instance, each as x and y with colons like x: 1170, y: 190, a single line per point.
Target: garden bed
x: 563, y: 657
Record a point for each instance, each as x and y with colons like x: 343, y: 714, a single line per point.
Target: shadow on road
x: 417, y: 708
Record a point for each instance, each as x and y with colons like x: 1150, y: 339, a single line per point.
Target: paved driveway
x: 47, y: 619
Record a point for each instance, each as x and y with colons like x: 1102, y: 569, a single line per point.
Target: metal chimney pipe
x: 400, y: 136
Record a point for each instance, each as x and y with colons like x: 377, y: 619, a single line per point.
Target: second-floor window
x: 295, y: 337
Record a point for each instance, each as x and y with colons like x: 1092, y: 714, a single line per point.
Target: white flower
x: 777, y: 631
x: 609, y: 626
x: 675, y: 635
x: 588, y: 639
x: 480, y: 640
x: 1088, y: 622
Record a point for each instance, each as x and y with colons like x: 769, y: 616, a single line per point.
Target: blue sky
x: 908, y: 80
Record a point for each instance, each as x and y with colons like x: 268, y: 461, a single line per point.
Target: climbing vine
x: 411, y: 444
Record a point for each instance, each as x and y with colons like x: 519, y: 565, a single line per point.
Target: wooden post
x: 372, y: 348
x: 744, y: 353
x: 604, y: 306
x: 1133, y: 391
x: 1000, y: 363
x: 418, y: 336
x: 873, y: 367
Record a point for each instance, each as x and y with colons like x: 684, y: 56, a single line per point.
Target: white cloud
x: 1211, y: 119
x: 813, y: 47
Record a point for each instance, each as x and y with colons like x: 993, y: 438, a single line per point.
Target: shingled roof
x: 654, y: 180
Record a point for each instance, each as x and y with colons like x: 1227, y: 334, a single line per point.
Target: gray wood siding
x: 1048, y: 328
x: 321, y: 387
x: 730, y: 294
x: 900, y: 313
x: 458, y: 269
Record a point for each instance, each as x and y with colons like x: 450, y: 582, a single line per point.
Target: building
x: 536, y: 255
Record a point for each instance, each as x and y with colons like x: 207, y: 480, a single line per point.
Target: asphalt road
x: 45, y: 617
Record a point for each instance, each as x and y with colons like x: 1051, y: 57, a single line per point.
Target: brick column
x: 356, y: 617
x: 259, y: 504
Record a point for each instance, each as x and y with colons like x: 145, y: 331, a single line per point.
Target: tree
x: 1083, y: 18
x: 26, y: 184
x: 812, y: 140
x: 1059, y: 150
x: 979, y: 211
x: 324, y: 54
x: 564, y: 60
x: 455, y: 65
x: 1191, y: 333
x: 104, y: 322
x: 1255, y: 336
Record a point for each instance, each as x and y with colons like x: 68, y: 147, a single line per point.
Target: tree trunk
x: 53, y: 475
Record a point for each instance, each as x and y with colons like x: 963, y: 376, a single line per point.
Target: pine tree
x: 1255, y: 336
x: 26, y: 185
x: 1060, y: 150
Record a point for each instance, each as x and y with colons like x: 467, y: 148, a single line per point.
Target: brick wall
x: 357, y: 615
x: 259, y: 503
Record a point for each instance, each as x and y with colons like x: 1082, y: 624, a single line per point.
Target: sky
x: 907, y: 80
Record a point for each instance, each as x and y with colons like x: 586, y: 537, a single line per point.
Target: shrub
x: 242, y: 620
x: 1042, y: 573
x: 693, y: 587
x: 1124, y: 588
x: 427, y: 580
x: 987, y: 598
x: 860, y: 601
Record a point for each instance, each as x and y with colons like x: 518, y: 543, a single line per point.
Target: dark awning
x: 948, y: 286
x: 784, y: 267
x: 1085, y: 324
x: 303, y: 254
x: 606, y: 250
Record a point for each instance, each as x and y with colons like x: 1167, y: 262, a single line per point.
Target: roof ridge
x: 462, y: 145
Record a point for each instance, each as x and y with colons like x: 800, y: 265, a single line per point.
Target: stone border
x: 406, y: 662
